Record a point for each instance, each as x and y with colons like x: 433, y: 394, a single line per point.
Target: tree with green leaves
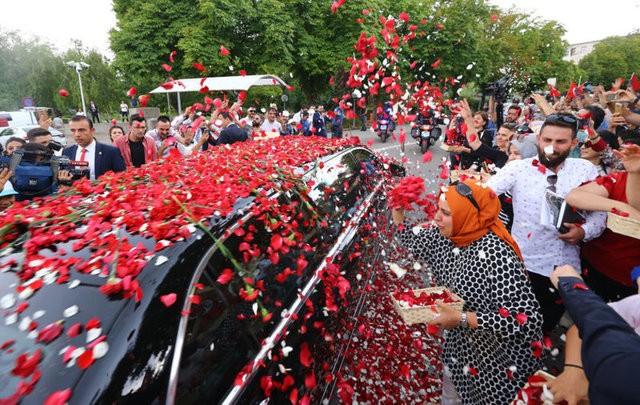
x: 612, y: 58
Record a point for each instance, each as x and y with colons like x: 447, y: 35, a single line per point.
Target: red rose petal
x: 504, y: 312
x: 580, y: 286
x: 521, y: 318
x: 171, y: 55
x: 199, y: 66
x: 242, y: 73
x: 63, y: 93
x: 225, y: 276
x: 305, y: 355
x: 166, y: 67
x: 169, y: 299
x: 132, y: 92
x: 58, y: 397
x: 85, y: 360
x: 224, y: 51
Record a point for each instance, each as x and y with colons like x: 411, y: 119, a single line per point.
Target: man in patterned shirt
x: 543, y: 246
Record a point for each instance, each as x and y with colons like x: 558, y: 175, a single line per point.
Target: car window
x: 336, y: 187
x: 218, y: 341
x: 225, y: 329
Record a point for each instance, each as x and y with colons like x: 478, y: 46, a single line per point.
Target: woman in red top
x: 608, y: 259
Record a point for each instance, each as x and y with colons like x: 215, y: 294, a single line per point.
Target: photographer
x: 44, y: 138
x: 37, y: 172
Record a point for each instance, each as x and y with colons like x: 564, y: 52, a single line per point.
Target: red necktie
x: 82, y: 155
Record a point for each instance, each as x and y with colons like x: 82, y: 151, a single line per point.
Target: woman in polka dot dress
x: 494, y: 344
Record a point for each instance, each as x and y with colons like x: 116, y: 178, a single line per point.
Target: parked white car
x: 21, y: 132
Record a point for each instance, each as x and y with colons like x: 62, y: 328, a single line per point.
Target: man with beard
x: 543, y: 247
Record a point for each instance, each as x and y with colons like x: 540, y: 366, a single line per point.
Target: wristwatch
x: 463, y: 320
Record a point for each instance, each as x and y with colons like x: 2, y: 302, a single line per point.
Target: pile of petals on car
x: 167, y: 202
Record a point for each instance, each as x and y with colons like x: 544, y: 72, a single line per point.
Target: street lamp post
x: 78, y: 66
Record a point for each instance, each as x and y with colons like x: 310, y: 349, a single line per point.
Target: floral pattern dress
x: 487, y: 365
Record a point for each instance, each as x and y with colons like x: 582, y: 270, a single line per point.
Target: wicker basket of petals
x: 619, y: 222
x: 463, y: 175
x: 418, y: 306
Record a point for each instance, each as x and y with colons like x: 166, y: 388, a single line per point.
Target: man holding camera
x: 100, y: 158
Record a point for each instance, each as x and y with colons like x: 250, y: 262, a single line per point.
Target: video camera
x: 35, y: 173
x: 498, y: 88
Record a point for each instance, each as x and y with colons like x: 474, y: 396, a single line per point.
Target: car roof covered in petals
x: 71, y: 265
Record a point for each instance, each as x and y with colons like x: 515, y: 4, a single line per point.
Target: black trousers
x: 606, y: 288
x: 549, y: 300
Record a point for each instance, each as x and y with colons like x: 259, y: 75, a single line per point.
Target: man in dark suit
x: 231, y: 133
x: 101, y: 158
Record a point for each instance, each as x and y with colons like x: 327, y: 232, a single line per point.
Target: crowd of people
x: 498, y: 245
x: 190, y: 132
x: 583, y: 151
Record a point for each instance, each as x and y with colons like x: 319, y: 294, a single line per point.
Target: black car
x: 255, y: 303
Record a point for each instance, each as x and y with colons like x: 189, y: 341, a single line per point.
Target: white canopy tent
x: 224, y: 83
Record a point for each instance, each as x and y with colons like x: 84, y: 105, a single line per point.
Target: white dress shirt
x: 274, y: 126
x: 89, y: 157
x: 539, y: 244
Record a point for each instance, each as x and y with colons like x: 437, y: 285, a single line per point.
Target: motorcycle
x: 426, y: 134
x: 383, y: 129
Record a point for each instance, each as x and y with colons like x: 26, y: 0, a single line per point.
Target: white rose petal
x: 161, y: 259
x: 7, y: 301
x: 26, y: 293
x: 71, y: 311
x: 39, y: 314
x: 286, y: 350
x: 417, y: 266
x: 74, y: 284
x: 93, y: 334
x: 100, y: 350
x: 24, y: 323
x: 11, y: 319
x: 397, y: 270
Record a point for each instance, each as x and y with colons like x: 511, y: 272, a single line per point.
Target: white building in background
x: 575, y: 52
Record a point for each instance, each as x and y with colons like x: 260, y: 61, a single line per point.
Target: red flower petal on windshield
x: 74, y: 330
x: 25, y: 364
x: 85, y: 360
x: 225, y: 276
x: 168, y: 299
x: 93, y: 323
x: 50, y: 332
x: 305, y: 355
x: 58, y: 397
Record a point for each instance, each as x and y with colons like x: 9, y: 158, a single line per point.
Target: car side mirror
x: 397, y: 170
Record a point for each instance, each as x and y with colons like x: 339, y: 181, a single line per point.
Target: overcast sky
x: 59, y: 21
